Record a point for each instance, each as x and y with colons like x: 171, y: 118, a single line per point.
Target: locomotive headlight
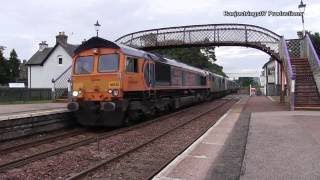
x: 75, y: 93
x: 115, y: 92
x: 110, y: 91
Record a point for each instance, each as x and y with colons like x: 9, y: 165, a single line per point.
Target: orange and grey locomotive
x: 113, y: 84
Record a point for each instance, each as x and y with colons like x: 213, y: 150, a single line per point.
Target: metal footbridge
x: 244, y: 35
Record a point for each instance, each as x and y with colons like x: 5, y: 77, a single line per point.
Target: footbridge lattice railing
x: 205, y: 35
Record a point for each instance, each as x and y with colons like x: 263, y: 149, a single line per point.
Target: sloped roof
x: 96, y: 42
x: 40, y: 57
x: 70, y: 48
x: 271, y: 60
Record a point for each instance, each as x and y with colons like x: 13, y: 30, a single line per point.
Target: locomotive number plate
x: 114, y: 84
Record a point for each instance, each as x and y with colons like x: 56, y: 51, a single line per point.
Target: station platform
x: 15, y: 111
x: 26, y: 119
x: 258, y: 138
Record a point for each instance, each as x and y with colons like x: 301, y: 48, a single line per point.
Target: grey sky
x: 24, y: 23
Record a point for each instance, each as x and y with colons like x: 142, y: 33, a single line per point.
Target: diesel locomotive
x: 113, y: 84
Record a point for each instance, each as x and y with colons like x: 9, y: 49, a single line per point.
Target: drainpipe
x: 53, y: 94
x: 30, y: 77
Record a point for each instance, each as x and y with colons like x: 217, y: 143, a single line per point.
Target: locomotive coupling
x: 73, y: 106
x: 108, y: 106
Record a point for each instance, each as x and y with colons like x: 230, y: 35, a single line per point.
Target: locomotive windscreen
x: 84, y: 65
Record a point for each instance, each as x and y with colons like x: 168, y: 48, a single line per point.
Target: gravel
x: 73, y: 161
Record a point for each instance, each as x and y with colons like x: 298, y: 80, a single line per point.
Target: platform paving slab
x: 283, y: 145
x: 18, y: 111
x: 259, y: 138
x: 18, y: 108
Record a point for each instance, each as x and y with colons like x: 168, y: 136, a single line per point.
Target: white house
x: 50, y: 62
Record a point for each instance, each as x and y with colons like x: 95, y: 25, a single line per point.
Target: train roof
x: 97, y: 42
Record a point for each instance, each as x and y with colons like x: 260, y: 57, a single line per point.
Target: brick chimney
x: 43, y: 45
x: 62, y: 38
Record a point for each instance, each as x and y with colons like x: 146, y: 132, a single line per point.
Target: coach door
x: 149, y: 74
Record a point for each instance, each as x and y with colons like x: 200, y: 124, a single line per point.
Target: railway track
x: 16, y: 147
x: 57, y: 150
x: 148, y: 144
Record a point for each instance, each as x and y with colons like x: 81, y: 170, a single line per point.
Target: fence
x: 61, y: 86
x: 9, y: 95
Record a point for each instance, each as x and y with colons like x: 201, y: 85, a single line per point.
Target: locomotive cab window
x: 108, y: 63
x: 131, y: 64
x: 84, y: 65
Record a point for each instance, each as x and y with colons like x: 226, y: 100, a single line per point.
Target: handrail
x: 314, y: 52
x: 64, y: 72
x: 196, y: 26
x: 291, y: 77
x: 205, y: 35
x: 61, y: 85
x: 313, y: 58
x: 287, y: 57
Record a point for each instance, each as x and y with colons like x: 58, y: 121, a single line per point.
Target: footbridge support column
x: 283, y: 80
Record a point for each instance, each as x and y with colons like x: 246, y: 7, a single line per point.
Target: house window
x: 271, y: 71
x: 132, y: 64
x: 60, y: 59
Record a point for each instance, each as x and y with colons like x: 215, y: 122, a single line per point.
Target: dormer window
x: 60, y: 61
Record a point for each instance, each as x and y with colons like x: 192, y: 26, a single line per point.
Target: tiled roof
x: 70, y: 48
x: 40, y: 57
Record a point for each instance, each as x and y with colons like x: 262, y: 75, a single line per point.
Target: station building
x: 271, y: 78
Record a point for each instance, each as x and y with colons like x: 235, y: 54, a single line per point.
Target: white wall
x: 41, y: 76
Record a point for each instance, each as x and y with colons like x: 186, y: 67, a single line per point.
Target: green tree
x: 316, y: 37
x: 13, y: 66
x: 247, y: 81
x: 203, y: 58
x: 3, y: 69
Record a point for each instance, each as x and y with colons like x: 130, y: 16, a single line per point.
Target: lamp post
x: 97, y: 27
x: 302, y: 8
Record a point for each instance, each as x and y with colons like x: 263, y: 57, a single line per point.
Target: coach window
x: 108, y: 63
x: 132, y: 64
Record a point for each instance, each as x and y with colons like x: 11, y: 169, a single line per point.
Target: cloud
x: 26, y: 23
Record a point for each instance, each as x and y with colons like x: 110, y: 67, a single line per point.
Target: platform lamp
x: 302, y: 8
x: 97, y: 27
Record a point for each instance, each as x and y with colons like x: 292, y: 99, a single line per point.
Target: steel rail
x: 61, y: 149
x: 155, y: 172
x: 18, y: 147
x: 102, y: 163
